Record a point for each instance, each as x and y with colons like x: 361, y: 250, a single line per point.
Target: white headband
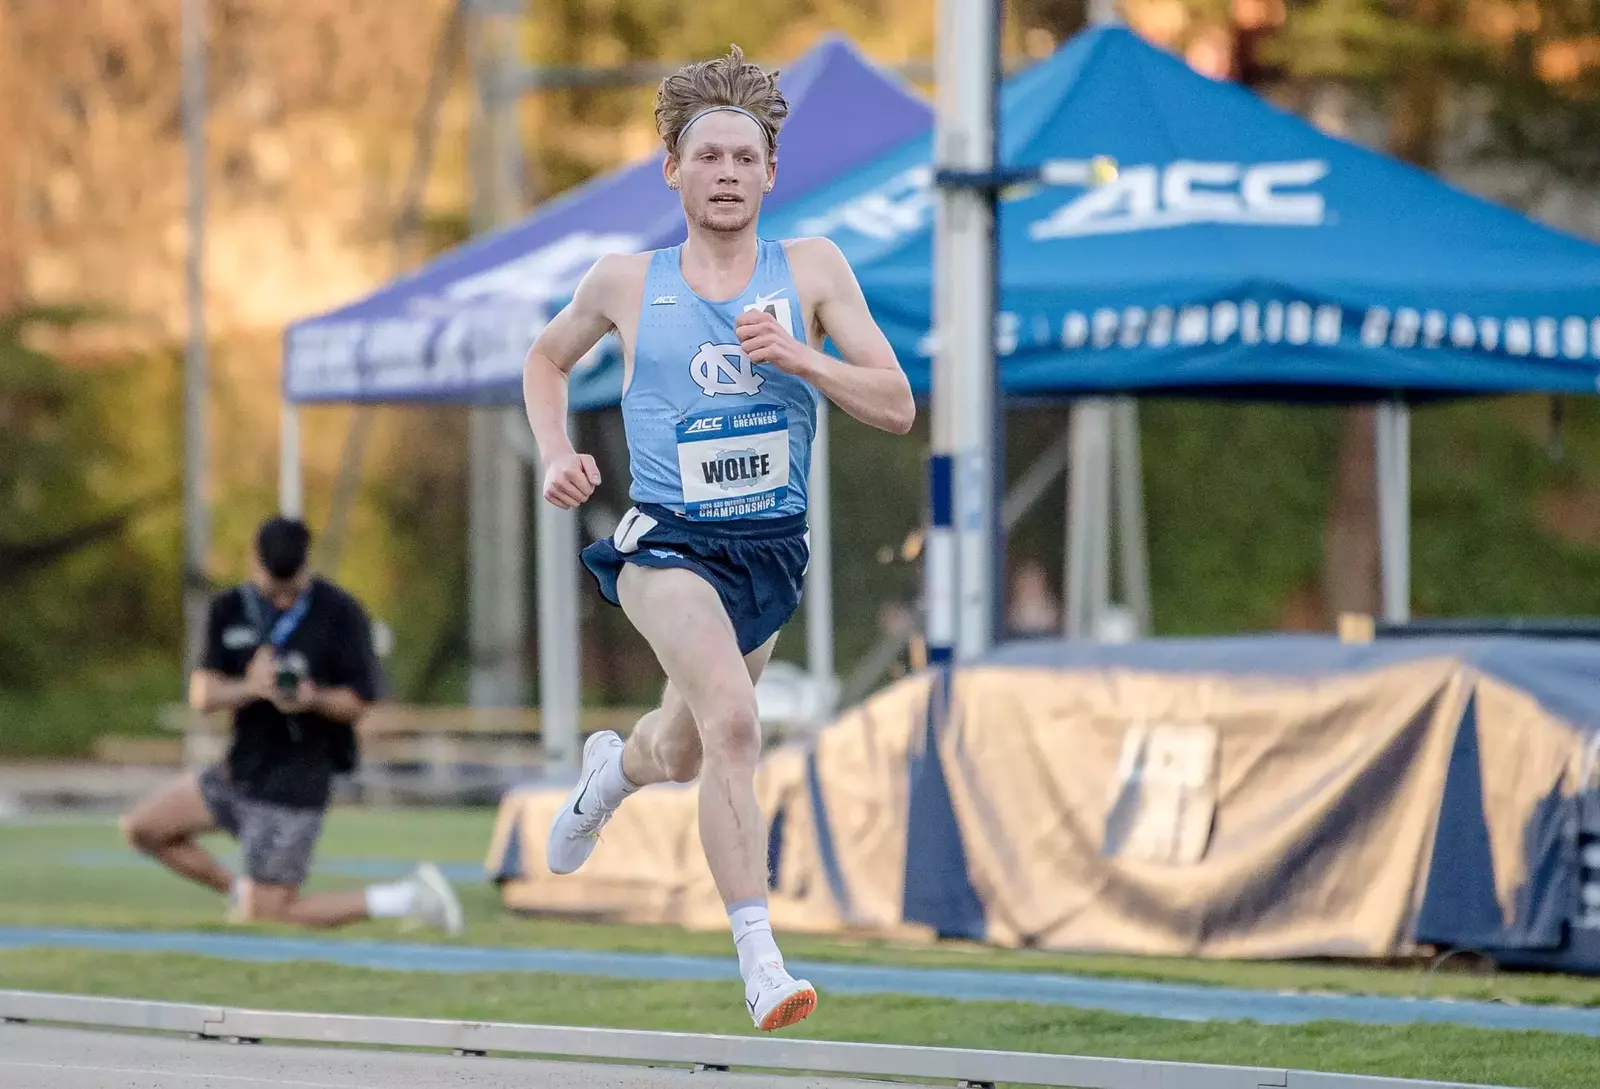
x: 715, y: 109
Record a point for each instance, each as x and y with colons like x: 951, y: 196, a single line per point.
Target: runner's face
x: 722, y: 168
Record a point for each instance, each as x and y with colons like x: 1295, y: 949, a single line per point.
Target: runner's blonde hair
x: 726, y: 81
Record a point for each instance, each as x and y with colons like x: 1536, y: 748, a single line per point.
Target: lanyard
x: 285, y: 624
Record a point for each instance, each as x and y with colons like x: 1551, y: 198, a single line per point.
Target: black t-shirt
x: 291, y: 760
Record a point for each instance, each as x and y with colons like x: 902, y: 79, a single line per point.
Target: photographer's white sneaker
x: 434, y: 902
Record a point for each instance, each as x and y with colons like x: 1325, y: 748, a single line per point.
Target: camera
x: 288, y: 672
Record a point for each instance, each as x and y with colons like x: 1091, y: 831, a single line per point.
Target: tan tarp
x: 1112, y: 810
x: 648, y: 865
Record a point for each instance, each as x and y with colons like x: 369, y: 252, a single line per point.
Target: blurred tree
x: 67, y: 587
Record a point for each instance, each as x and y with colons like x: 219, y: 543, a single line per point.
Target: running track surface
x: 33, y: 1057
x: 1172, y: 1001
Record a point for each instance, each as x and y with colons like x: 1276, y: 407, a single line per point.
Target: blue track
x: 1166, y: 1000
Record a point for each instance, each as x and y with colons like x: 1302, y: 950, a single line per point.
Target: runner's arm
x: 868, y: 384
x: 569, y: 335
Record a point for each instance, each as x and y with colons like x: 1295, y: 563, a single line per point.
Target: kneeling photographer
x: 290, y: 655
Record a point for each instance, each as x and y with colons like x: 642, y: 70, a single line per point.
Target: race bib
x: 734, y: 464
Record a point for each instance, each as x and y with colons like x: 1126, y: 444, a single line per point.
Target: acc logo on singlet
x: 724, y: 368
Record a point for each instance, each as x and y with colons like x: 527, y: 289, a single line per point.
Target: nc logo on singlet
x: 724, y: 368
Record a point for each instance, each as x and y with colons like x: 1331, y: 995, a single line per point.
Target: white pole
x: 1099, y: 473
x: 964, y: 367
x: 559, y: 661
x: 556, y: 555
x: 511, y: 552
x: 819, y: 573
x: 1130, y: 512
x: 1089, y: 490
x: 291, y: 482
x: 939, y: 555
x: 483, y: 689
x: 1087, y: 517
x: 496, y: 496
x: 196, y: 438
x: 1392, y: 436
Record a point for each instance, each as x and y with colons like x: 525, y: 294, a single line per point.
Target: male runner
x: 722, y: 372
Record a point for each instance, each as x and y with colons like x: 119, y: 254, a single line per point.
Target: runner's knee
x: 671, y: 737
x: 731, y: 732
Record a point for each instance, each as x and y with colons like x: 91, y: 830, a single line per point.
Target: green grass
x: 42, y: 884
x: 1534, y: 1060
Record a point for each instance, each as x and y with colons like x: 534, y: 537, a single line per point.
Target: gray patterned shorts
x: 276, y: 841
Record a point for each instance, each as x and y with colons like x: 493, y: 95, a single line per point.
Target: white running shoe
x: 776, y: 999
x: 577, y: 825
x: 435, y: 903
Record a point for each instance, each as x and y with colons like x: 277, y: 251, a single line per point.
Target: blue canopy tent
x: 1238, y: 252
x: 458, y: 329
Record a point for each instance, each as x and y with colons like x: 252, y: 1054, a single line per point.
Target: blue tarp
x: 457, y: 330
x: 1238, y: 248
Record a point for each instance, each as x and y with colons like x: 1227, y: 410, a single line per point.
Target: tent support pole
x: 1128, y: 468
x: 1099, y: 470
x: 291, y: 480
x: 819, y: 572
x: 1035, y: 482
x: 1392, y: 436
x: 560, y: 660
x: 1088, y: 505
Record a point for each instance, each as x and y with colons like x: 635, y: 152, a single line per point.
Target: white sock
x: 752, y: 935
x: 611, y: 786
x: 391, y: 901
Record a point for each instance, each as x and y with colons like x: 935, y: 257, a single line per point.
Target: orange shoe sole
x: 791, y: 1011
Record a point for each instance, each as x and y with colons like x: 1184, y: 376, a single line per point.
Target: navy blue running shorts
x: 757, y: 565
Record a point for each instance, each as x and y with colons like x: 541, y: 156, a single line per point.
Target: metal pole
x: 496, y: 501
x: 939, y: 556
x: 481, y: 687
x: 1129, y: 474
x: 1087, y: 512
x: 1099, y: 596
x: 291, y: 484
x: 560, y: 663
x: 511, y: 487
x: 1094, y: 449
x: 1392, y: 436
x: 990, y: 419
x: 196, y: 445
x: 556, y: 531
x: 963, y: 462
x: 819, y: 572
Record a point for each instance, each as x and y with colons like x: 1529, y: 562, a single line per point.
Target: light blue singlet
x: 712, y: 435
